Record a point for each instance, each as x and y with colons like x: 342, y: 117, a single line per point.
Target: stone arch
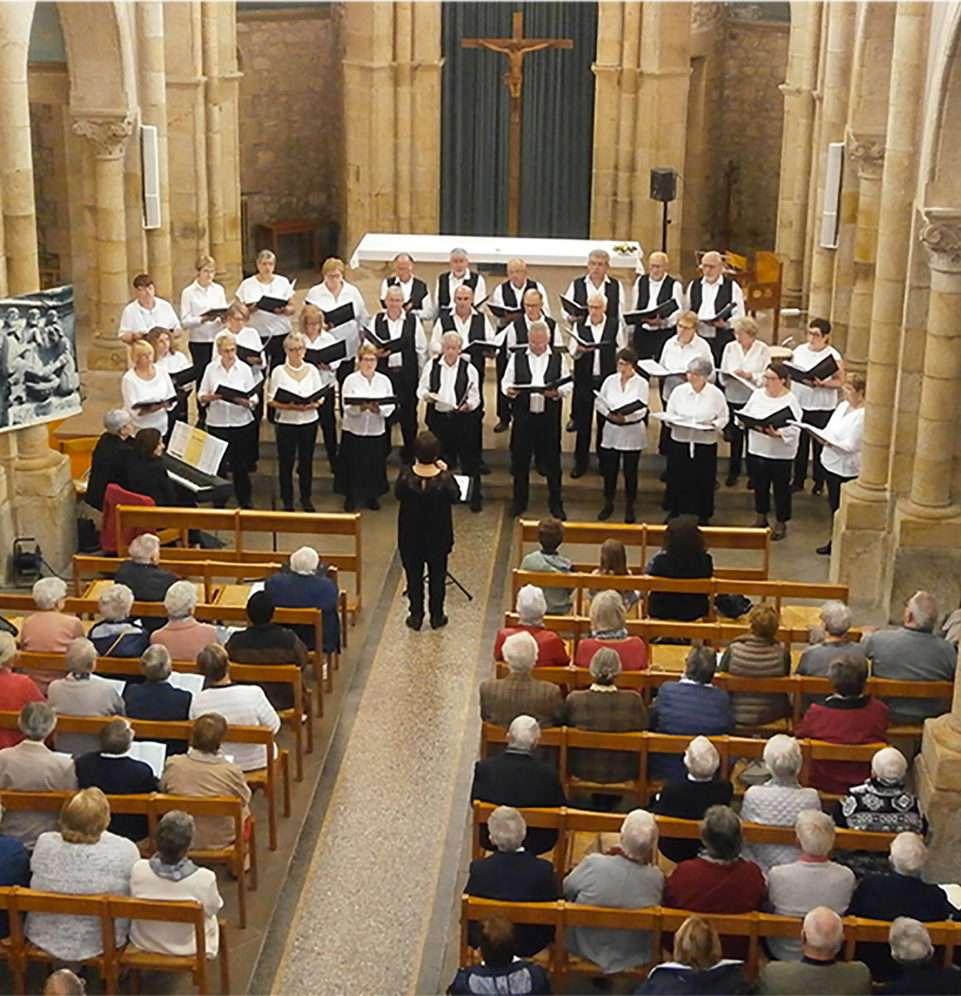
x: 102, y: 78
x: 944, y: 148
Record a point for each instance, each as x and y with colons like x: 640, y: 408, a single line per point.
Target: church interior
x: 819, y: 137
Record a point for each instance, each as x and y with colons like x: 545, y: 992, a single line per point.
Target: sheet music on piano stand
x: 197, y: 448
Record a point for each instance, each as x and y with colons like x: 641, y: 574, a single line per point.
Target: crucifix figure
x: 515, y: 48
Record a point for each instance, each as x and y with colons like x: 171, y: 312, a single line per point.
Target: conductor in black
x: 531, y: 382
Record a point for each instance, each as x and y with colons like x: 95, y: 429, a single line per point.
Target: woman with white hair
x: 919, y: 970
x: 829, y: 641
x: 16, y: 690
x: 117, y: 634
x: 51, y: 629
x: 531, y: 607
x: 690, y: 797
x: 503, y: 699
x: 609, y: 629
x: 183, y: 635
x: 272, y: 323
x: 626, y: 878
x: 778, y: 801
x: 108, y: 462
x: 742, y: 363
x: 307, y: 585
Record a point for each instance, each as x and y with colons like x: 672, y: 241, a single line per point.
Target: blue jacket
x: 308, y: 591
x: 689, y: 709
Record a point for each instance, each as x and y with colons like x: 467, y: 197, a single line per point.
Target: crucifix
x: 515, y: 48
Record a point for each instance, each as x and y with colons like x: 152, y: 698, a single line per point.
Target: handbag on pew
x: 732, y: 606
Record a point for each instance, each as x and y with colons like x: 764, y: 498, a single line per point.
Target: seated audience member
x: 513, y: 874
x: 111, y: 771
x: 778, y: 801
x: 500, y: 971
x: 530, y: 607
x: 881, y: 804
x: 684, y: 556
x: 847, y: 716
x: 698, y: 966
x: 16, y: 690
x: 265, y: 642
x: 51, y: 629
x: 813, y: 880
x: 516, y: 778
x: 613, y: 560
x: 690, y: 797
x: 80, y: 694
x: 302, y: 587
x: 690, y: 707
x: 626, y: 878
x: 155, y: 698
x: 503, y: 699
x: 14, y: 870
x: 63, y: 982
x: 32, y: 767
x: 240, y: 705
x: 205, y: 770
x: 183, y: 636
x: 913, y: 653
x: 550, y: 535
x: 921, y: 973
x: 758, y: 655
x: 608, y: 629
x: 108, y: 462
x: 82, y: 858
x: 117, y: 634
x: 170, y: 876
x: 607, y: 709
x: 144, y: 576
x: 829, y: 641
x: 819, y: 971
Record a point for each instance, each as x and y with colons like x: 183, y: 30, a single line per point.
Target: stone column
x: 108, y: 135
x: 426, y: 97
x: 213, y: 118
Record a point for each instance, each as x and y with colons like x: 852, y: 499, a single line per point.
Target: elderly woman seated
x: 688, y: 708
x: 758, y: 655
x: 605, y: 708
x: 171, y: 875
x: 608, y: 629
x: 881, y: 804
x: 155, y: 698
x: 51, y: 629
x: 626, y: 878
x: 813, y: 880
x: 108, y: 462
x: 531, y: 606
x: 502, y: 700
x: 919, y: 970
x: 847, y: 716
x: 80, y: 694
x: 500, y: 971
x: 83, y: 858
x: 698, y: 966
x: 829, y: 641
x: 205, y: 770
x: 142, y: 573
x: 307, y: 586
x: 116, y: 634
x: 777, y: 802
x: 513, y: 874
x: 15, y: 689
x: 691, y: 796
x: 183, y: 635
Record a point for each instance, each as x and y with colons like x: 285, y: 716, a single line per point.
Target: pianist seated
x: 183, y: 635
x: 108, y: 463
x: 147, y: 474
x: 144, y: 576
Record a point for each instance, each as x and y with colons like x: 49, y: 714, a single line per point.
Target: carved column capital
x: 941, y: 236
x: 867, y: 150
x: 107, y: 132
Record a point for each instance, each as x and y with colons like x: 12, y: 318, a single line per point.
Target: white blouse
x: 364, y: 423
x: 158, y: 388
x: 196, y: 301
x: 707, y: 405
x: 322, y: 341
x: 225, y: 414
x: 630, y: 435
x: 815, y: 399
x: 845, y: 430
x: 676, y: 356
x: 760, y: 444
x: 321, y: 295
x: 266, y: 323
x: 756, y: 360
x: 280, y: 377
x: 136, y: 318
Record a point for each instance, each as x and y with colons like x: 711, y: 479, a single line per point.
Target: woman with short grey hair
x: 506, y: 828
x: 531, y: 606
x: 271, y: 324
x: 51, y: 629
x: 155, y: 663
x: 117, y: 634
x: 609, y: 629
x: 183, y: 635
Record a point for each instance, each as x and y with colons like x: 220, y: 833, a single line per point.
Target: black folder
x: 723, y: 315
x: 629, y: 409
x: 777, y: 420
x: 286, y: 397
x: 246, y: 354
x: 820, y: 371
x: 233, y: 394
x: 141, y: 405
x: 481, y: 346
x: 267, y: 303
x: 498, y: 311
x: 390, y: 399
x: 541, y: 388
x: 209, y: 316
x: 664, y: 310
x: 185, y: 376
x: 573, y: 308
x: 339, y: 316
x: 328, y: 354
x: 388, y: 345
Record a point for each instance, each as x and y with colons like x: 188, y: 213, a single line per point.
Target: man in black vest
x: 516, y: 335
x: 470, y: 325
x: 402, y: 361
x: 651, y: 289
x: 537, y: 417
x: 710, y: 295
x: 416, y: 295
x: 449, y: 385
x: 460, y: 273
x: 591, y: 365
x: 597, y: 281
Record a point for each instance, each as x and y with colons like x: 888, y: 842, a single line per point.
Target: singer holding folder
x: 772, y: 445
x: 292, y: 392
x: 147, y: 390
x: 320, y: 343
x: 271, y: 323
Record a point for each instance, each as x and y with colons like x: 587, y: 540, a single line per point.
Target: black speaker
x: 663, y: 184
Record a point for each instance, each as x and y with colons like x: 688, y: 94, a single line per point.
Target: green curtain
x: 557, y: 107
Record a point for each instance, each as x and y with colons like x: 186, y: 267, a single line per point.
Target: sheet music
x: 193, y: 683
x: 463, y: 485
x: 150, y: 752
x: 196, y: 447
x: 116, y: 682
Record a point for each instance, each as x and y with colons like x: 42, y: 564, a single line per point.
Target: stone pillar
x: 426, y: 102
x: 108, y: 135
x: 796, y: 148
x: 213, y: 117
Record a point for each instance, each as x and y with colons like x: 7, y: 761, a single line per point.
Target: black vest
x: 520, y: 329
x: 607, y: 351
x: 476, y: 331
x: 461, y: 381
x: 417, y: 293
x: 725, y: 294
x: 408, y: 351
x: 443, y: 287
x: 612, y: 291
x: 509, y: 296
x: 522, y: 375
x: 644, y: 289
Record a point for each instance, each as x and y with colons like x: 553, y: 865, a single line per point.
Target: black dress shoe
x: 579, y: 470
x: 515, y: 510
x: 439, y: 623
x: 350, y: 505
x: 630, y: 516
x: 818, y: 489
x: 558, y: 511
x: 307, y: 505
x: 475, y: 506
x: 414, y: 622
x: 730, y: 480
x: 570, y: 427
x: 373, y: 504
x: 288, y: 506
x: 778, y: 532
x: 795, y: 488
x: 605, y: 513
x: 824, y: 551
x: 502, y: 426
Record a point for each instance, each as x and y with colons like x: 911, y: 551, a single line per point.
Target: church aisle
x: 388, y: 845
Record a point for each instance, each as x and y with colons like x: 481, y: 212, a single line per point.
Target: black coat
x: 688, y: 800
x: 159, y: 701
x: 108, y: 465
x: 148, y: 476
x: 149, y: 583
x: 678, y: 605
x: 424, y: 522
x: 118, y: 776
x: 923, y: 980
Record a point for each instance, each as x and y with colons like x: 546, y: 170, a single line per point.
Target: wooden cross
x: 515, y: 48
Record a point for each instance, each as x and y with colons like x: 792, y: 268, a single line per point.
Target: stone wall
x: 291, y: 119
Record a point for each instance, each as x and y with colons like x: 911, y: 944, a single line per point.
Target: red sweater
x: 632, y: 652
x: 551, y: 651
x: 704, y: 886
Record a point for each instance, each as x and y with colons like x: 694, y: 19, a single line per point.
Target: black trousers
x: 690, y: 479
x: 416, y: 562
x: 295, y: 441
x: 819, y: 419
x: 734, y: 434
x: 720, y: 339
x: 328, y: 429
x: 274, y: 352
x: 405, y: 413
x: 649, y: 344
x: 770, y: 474
x: 834, y: 482
x: 459, y: 440
x: 201, y: 353
x: 237, y: 458
x: 540, y: 436
x: 582, y: 411
x: 610, y: 461
x: 503, y: 402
